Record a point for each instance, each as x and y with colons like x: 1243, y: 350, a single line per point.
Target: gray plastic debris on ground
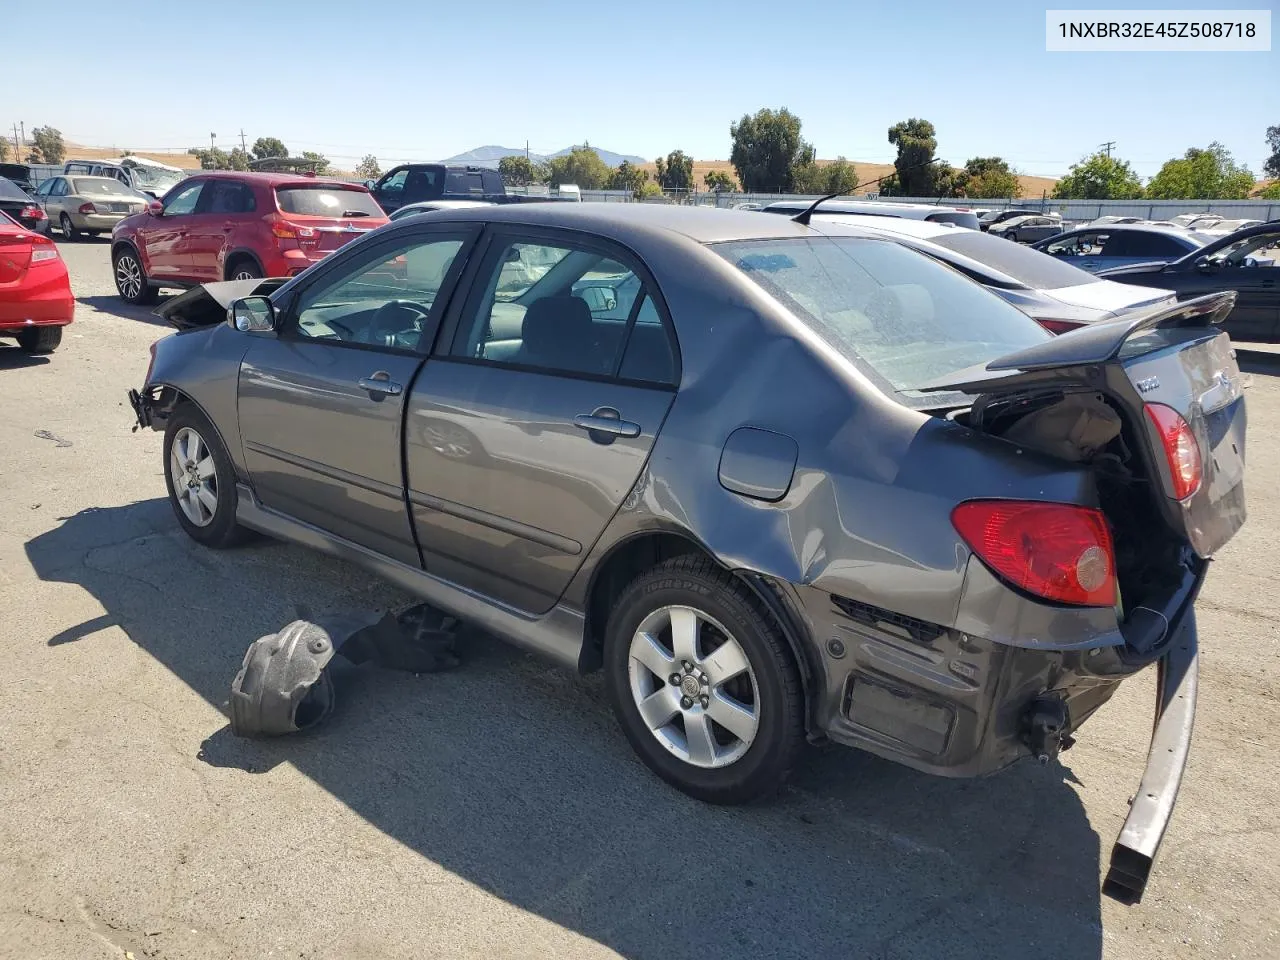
x: 284, y: 685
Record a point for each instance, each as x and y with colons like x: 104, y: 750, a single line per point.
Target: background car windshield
x: 324, y: 201
x: 1031, y: 267
x: 906, y: 317
x: 103, y: 186
x: 11, y: 191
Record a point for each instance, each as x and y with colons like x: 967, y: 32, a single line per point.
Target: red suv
x: 237, y: 226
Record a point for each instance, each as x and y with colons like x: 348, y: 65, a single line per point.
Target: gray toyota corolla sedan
x: 778, y: 484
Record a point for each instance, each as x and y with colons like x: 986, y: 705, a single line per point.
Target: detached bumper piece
x: 284, y: 685
x: 141, y: 409
x: 1134, y: 853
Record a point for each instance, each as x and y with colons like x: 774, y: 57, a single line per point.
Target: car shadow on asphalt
x: 512, y: 775
x: 1264, y: 362
x: 127, y: 311
x: 14, y: 358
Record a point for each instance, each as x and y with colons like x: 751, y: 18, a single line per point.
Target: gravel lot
x: 496, y: 811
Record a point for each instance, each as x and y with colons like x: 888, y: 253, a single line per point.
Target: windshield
x: 11, y: 191
x: 903, y: 317
x: 151, y: 179
x: 103, y: 187
x: 960, y: 218
x: 1031, y: 267
x: 324, y: 200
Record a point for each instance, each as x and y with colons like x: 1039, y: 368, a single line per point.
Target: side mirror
x: 155, y: 208
x: 252, y: 315
x: 600, y: 299
x: 370, y: 184
x: 1205, y: 265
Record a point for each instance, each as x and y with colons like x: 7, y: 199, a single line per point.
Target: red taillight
x: 1054, y: 550
x: 284, y: 230
x: 31, y: 213
x: 1058, y: 326
x: 43, y: 249
x: 1180, y: 449
x: 88, y: 208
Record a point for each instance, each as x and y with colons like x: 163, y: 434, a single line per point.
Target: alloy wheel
x: 694, y: 686
x: 128, y: 276
x: 193, y: 476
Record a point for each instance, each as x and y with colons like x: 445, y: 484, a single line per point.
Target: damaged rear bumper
x: 1135, y: 850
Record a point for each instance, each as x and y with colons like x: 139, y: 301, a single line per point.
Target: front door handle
x: 381, y: 384
x: 606, y: 422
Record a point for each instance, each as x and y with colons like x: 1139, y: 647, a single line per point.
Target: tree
x: 582, y: 166
x: 319, y: 159
x: 4, y: 150
x: 720, y: 182
x: 986, y: 178
x: 916, y: 175
x: 519, y: 171
x: 211, y: 158
x: 268, y: 147
x: 629, y: 177
x: 1270, y: 192
x: 368, y: 168
x: 676, y: 172
x: 1271, y: 166
x: 1099, y: 177
x: 47, y: 146
x: 1208, y: 174
x: 237, y: 159
x: 838, y: 176
x: 767, y: 149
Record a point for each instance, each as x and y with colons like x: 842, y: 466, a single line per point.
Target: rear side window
x: 324, y: 200
x: 464, y: 181
x: 1031, y: 267
x: 227, y: 196
x: 1154, y: 245
x: 904, y: 318
x: 959, y: 218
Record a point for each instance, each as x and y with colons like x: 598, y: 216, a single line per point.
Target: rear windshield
x: 901, y: 316
x: 11, y: 191
x: 324, y: 200
x: 1031, y: 267
x: 103, y: 187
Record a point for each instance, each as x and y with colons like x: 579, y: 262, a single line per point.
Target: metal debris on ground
x: 46, y: 435
x: 284, y: 686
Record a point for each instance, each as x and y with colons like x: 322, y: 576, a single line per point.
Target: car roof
x: 275, y: 179
x: 701, y: 224
x: 855, y: 206
x: 905, y: 226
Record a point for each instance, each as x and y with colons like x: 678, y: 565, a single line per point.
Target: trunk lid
x: 1173, y: 356
x: 15, y: 253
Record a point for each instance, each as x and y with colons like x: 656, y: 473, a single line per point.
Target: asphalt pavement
x: 495, y: 811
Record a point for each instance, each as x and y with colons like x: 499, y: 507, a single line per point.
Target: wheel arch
x: 237, y: 254
x: 632, y: 556
x: 167, y: 399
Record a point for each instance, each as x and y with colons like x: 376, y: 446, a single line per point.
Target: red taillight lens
x: 1053, y: 550
x: 31, y: 213
x: 43, y: 249
x: 1058, y: 326
x: 284, y: 230
x: 1180, y: 449
x: 88, y: 208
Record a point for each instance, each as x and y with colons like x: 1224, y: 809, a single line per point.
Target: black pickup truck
x: 419, y: 182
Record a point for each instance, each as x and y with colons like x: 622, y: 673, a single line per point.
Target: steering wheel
x: 392, y: 320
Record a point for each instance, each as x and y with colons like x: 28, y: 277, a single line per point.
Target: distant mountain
x: 488, y: 156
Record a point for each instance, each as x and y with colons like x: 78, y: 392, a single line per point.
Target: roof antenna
x: 804, y: 216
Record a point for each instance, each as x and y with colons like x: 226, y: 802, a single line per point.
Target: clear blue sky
x: 413, y: 80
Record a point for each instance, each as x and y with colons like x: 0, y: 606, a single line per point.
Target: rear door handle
x: 606, y: 420
x: 380, y: 383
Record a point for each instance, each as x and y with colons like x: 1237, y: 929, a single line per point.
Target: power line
x: 1107, y: 147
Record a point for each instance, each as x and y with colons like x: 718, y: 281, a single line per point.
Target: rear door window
x: 229, y: 197
x: 323, y: 200
x: 465, y: 182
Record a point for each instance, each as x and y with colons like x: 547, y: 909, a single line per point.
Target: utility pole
x: 22, y: 144
x: 1107, y: 147
x: 17, y: 148
x: 211, y: 138
x: 243, y: 149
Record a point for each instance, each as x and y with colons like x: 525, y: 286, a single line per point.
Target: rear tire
x: 131, y: 279
x: 69, y: 231
x: 244, y: 269
x: 201, y: 480
x: 40, y: 339
x: 737, y: 657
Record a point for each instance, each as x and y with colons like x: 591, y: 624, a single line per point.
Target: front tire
x: 201, y: 480
x: 703, y: 683
x: 40, y: 339
x: 131, y: 278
